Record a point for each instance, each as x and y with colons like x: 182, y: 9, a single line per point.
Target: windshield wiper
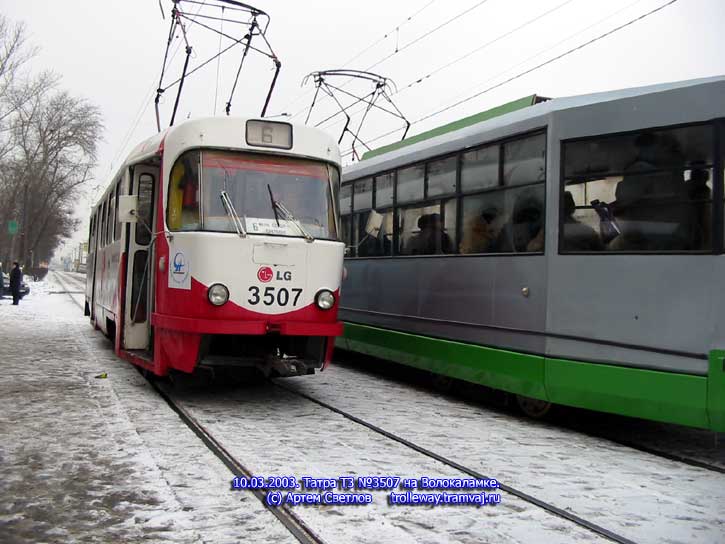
x: 274, y: 204
x: 278, y: 205
x: 232, y: 213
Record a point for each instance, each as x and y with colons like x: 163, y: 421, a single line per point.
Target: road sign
x: 12, y: 227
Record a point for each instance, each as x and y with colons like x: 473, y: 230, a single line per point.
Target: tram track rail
x: 298, y: 528
x: 632, y: 444
x: 66, y: 290
x: 305, y: 534
x: 293, y: 523
x: 548, y: 507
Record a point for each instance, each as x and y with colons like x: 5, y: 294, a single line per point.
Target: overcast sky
x: 111, y: 53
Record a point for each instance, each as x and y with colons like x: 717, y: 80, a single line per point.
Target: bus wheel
x: 533, y: 408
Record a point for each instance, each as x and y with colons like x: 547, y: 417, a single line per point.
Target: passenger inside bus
x: 651, y: 207
x: 432, y: 239
x: 577, y: 235
x: 701, y: 196
x: 480, y: 234
x: 525, y: 231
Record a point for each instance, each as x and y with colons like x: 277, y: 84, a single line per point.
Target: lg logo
x: 266, y: 274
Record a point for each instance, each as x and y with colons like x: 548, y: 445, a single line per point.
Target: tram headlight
x: 325, y: 299
x: 218, y: 294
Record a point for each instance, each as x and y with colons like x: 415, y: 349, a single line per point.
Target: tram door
x: 139, y: 281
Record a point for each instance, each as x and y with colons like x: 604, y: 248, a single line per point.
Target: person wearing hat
x: 16, y: 278
x: 432, y: 238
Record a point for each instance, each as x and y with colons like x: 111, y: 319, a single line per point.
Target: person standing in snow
x: 16, y: 278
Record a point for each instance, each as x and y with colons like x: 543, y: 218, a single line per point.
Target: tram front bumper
x: 219, y: 326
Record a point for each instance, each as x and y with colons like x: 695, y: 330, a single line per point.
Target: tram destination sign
x: 269, y: 134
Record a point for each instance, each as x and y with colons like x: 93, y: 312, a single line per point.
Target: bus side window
x: 649, y: 191
x: 374, y: 244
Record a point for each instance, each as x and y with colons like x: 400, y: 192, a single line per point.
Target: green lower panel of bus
x: 697, y: 401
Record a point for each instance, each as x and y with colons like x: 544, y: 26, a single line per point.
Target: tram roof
x: 313, y: 141
x: 151, y: 146
x: 476, y: 134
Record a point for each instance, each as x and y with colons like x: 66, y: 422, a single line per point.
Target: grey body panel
x: 648, y: 311
x: 472, y: 299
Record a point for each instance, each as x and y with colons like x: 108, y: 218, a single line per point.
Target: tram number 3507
x: 282, y: 296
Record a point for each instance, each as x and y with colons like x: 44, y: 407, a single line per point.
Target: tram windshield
x: 255, y: 186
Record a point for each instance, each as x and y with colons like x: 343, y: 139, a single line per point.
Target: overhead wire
x: 366, y: 49
x: 396, y: 29
x: 427, y: 34
x: 554, y: 46
x: 487, y: 44
x: 218, y: 61
x: 526, y: 72
x: 421, y: 37
x: 469, y: 53
x: 145, y: 103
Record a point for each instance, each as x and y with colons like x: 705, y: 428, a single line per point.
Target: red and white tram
x: 217, y: 244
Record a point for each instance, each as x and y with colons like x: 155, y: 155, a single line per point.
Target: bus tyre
x: 533, y: 408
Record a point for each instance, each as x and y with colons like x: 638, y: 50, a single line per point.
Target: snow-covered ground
x: 101, y: 460
x: 106, y: 460
x: 638, y: 495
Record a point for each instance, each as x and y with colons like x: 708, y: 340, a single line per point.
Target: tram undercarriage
x: 274, y: 355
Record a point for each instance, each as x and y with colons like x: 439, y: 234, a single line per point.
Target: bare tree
x: 48, y: 142
x: 56, y: 137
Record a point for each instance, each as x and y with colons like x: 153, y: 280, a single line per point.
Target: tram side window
x: 138, y: 290
x: 428, y: 230
x: 91, y: 237
x: 411, y: 184
x: 384, y: 190
x: 442, y: 177
x: 524, y: 214
x: 483, y: 219
x: 479, y: 168
x: 346, y: 217
x: 145, y: 209
x: 373, y: 236
x: 111, y: 218
x: 363, y: 194
x: 101, y: 232
x: 504, y: 214
x: 524, y: 160
x: 117, y: 224
x: 509, y: 221
x: 649, y: 191
x: 183, y: 206
x: 372, y: 232
x: 346, y: 199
